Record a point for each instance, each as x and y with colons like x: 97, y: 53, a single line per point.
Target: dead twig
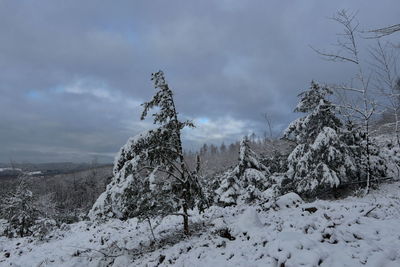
x: 368, y: 212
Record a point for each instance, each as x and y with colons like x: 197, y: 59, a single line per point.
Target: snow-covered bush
x: 210, y: 185
x: 46, y: 206
x: 43, y: 227
x: 289, y: 200
x: 378, y: 161
x: 389, y: 153
x: 19, y: 210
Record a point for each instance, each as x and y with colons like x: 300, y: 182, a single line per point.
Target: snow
x: 289, y: 200
x: 249, y: 219
x: 34, y: 173
x: 347, y: 232
x: 324, y: 138
x: 127, y: 152
x: 295, y: 249
x: 253, y: 175
x: 152, y: 179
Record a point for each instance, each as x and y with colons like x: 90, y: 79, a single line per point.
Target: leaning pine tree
x: 321, y: 160
x: 151, y: 177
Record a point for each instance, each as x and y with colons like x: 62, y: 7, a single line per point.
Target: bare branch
x: 385, y: 31
x: 334, y: 57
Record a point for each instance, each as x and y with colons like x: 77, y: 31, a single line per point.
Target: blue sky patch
x: 34, y: 95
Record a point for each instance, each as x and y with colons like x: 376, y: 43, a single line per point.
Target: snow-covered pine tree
x: 150, y: 174
x: 134, y: 191
x: 321, y: 160
x: 229, y: 189
x: 206, y: 199
x: 351, y: 135
x: 247, y: 178
x: 249, y: 160
x: 277, y: 161
x: 19, y: 210
x: 378, y: 162
x: 251, y: 172
x: 375, y: 156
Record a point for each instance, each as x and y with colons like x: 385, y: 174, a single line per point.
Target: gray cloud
x: 74, y: 72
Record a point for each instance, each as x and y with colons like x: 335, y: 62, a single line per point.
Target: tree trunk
x: 151, y: 229
x: 185, y: 220
x: 21, y: 230
x: 368, y: 157
x: 198, y: 163
x: 184, y: 174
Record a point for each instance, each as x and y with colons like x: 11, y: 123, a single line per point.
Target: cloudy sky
x: 74, y: 73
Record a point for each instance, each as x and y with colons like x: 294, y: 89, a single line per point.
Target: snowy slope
x: 349, y: 232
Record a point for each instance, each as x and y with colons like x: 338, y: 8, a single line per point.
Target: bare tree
x: 349, y: 52
x: 387, y: 81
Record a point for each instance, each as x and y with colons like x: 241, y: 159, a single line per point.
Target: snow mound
x: 295, y: 249
x: 249, y: 220
x: 219, y: 223
x: 289, y: 200
x: 122, y: 261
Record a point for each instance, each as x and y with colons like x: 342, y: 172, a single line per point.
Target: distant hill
x: 6, y: 170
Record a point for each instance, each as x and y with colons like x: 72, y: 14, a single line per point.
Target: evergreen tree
x: 229, y: 189
x: 354, y: 136
x: 321, y: 160
x: 150, y: 174
x: 204, y: 150
x: 19, y: 210
x: 248, y: 159
x: 248, y: 178
x: 277, y: 161
x: 213, y: 150
x: 206, y: 198
x: 222, y: 148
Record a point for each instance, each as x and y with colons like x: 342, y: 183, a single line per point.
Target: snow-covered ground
x: 348, y: 232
